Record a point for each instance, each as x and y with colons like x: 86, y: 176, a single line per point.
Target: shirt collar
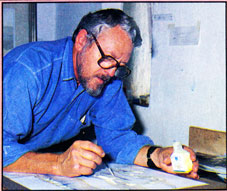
x: 67, y: 62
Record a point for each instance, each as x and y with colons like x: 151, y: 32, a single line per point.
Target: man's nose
x: 111, y: 71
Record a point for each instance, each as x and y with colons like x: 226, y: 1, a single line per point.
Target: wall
x: 15, y: 25
x: 187, y: 81
x: 69, y: 15
x: 46, y: 21
x: 58, y: 20
x: 137, y: 91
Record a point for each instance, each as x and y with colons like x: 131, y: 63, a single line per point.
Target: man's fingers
x: 192, y: 154
x: 195, y: 166
x: 88, y: 151
x: 85, y: 162
x: 167, y: 160
x: 87, y: 145
x: 192, y: 174
x: 81, y: 170
x: 90, y: 156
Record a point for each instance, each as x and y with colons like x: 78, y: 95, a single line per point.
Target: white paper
x: 162, y: 17
x: 180, y: 36
x: 126, y: 177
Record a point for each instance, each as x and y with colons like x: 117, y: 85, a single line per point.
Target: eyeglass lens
x: 107, y: 62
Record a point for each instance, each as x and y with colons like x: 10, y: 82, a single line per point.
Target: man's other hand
x: 161, y: 158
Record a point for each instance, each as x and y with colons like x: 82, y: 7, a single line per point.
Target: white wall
x: 187, y: 81
x: 112, y: 5
x: 59, y: 20
x: 70, y: 14
x: 46, y: 21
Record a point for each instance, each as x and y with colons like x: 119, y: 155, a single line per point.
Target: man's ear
x: 81, y: 40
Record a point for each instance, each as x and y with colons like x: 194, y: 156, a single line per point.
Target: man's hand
x: 80, y: 159
x: 161, y: 158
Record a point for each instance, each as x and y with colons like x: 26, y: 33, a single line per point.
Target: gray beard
x: 94, y: 93
x: 85, y: 81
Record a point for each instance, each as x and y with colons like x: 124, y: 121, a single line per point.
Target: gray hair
x: 95, y: 23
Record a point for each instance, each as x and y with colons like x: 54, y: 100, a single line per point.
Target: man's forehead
x: 113, y: 32
x: 117, y: 43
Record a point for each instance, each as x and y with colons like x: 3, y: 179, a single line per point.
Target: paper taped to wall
x: 180, y: 36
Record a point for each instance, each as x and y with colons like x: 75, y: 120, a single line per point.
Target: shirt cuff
x: 12, y: 152
x: 129, y: 153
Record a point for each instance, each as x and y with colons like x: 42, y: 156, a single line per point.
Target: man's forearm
x: 42, y: 163
x: 81, y: 158
x: 46, y: 163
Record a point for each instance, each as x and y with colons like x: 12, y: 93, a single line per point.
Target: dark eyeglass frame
x: 103, y: 57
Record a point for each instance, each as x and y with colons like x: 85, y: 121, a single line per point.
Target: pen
x: 112, y: 173
x: 110, y: 170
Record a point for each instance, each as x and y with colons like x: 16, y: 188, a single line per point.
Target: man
x: 53, y: 89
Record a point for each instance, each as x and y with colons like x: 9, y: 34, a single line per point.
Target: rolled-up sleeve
x: 113, y: 120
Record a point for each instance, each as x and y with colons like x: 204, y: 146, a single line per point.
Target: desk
x: 213, y: 181
x: 213, y: 184
x: 11, y: 185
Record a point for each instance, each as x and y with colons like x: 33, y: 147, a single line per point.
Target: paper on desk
x: 127, y: 177
x: 214, y: 164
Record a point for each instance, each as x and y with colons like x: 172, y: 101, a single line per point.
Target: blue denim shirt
x: 43, y: 106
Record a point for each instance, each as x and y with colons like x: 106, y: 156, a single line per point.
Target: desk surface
x: 214, y: 182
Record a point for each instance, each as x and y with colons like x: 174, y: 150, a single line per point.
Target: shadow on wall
x: 138, y: 126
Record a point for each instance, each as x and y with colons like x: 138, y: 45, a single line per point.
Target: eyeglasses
x: 108, y: 62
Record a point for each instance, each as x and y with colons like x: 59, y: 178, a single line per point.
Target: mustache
x: 104, y: 78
